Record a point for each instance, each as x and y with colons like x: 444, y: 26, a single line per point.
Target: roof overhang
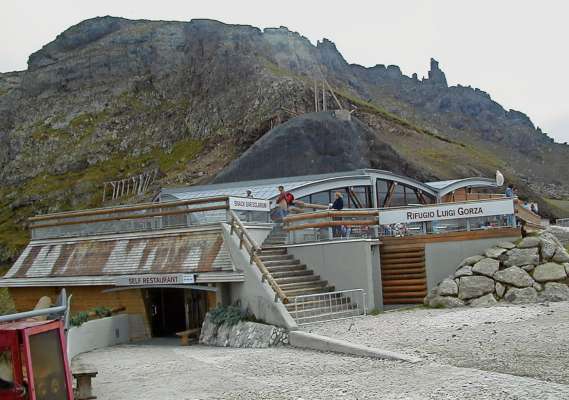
x: 467, y: 182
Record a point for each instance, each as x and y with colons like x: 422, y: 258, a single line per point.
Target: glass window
x: 359, y: 197
x: 382, y: 188
x: 6, y: 371
x: 398, y: 197
x: 321, y: 198
x: 48, y: 369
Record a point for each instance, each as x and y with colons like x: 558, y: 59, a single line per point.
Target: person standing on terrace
x: 284, y: 200
x: 338, y: 205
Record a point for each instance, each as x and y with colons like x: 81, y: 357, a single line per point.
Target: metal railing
x: 133, y: 218
x: 245, y: 240
x: 330, y: 306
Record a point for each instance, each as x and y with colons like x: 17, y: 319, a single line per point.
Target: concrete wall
x: 345, y: 264
x: 253, y: 294
x: 442, y: 258
x: 99, y: 333
x: 259, y: 232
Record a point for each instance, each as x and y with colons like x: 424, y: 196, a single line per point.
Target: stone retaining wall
x: 536, y: 269
x: 242, y: 334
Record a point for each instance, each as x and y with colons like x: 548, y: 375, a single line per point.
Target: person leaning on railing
x: 338, y: 205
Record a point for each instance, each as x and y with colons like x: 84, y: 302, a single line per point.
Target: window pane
x: 48, y: 368
x: 398, y: 197
x: 6, y: 372
x: 321, y: 198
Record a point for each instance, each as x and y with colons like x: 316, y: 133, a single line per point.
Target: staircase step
x: 296, y: 279
x: 276, y: 257
x: 402, y: 266
x: 403, y: 282
x: 272, y: 252
x: 287, y: 274
x: 403, y: 254
x: 404, y: 289
x: 410, y: 300
x: 411, y: 294
x: 286, y: 287
x: 392, y: 261
x: 304, y: 291
x: 287, y: 268
x: 270, y: 263
x: 402, y: 271
x: 402, y: 275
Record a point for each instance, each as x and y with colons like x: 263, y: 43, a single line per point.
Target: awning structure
x: 100, y: 260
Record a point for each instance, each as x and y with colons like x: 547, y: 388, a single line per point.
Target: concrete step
x: 272, y: 252
x: 291, y: 293
x: 276, y: 257
x: 287, y: 268
x: 287, y: 274
x: 280, y: 262
x: 286, y: 287
x: 296, y: 279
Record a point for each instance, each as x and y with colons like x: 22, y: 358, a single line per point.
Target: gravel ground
x: 496, y: 353
x: 528, y: 340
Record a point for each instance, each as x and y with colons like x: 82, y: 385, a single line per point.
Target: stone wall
x: 536, y: 269
x: 243, y: 334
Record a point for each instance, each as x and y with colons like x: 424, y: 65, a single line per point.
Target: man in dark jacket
x: 338, y: 205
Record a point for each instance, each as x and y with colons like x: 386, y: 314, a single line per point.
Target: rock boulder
x: 549, y: 272
x: 486, y: 266
x: 520, y: 296
x: 555, y: 292
x: 514, y: 276
x: 474, y: 286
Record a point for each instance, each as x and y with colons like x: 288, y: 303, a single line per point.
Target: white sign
x: 249, y: 204
x: 446, y: 211
x: 155, y: 280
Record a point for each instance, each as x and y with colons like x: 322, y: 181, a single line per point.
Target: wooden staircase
x: 403, y: 273
x: 295, y: 279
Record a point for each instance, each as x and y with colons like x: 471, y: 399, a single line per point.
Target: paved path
x: 526, y: 349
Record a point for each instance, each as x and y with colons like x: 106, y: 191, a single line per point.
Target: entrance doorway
x: 172, y: 310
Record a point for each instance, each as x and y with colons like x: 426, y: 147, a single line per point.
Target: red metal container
x: 33, y: 361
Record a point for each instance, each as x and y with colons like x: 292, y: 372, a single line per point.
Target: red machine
x: 33, y: 357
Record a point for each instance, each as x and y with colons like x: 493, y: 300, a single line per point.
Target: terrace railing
x: 247, y: 242
x: 330, y: 224
x: 132, y: 218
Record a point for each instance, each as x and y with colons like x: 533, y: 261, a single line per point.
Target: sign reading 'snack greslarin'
x: 155, y: 280
x: 248, y: 204
x: 447, y: 211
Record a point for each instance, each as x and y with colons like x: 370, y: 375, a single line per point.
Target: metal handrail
x: 245, y: 240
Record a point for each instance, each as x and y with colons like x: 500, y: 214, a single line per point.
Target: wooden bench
x: 83, y: 373
x: 185, y: 335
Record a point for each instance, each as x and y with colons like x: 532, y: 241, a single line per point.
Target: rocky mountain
x: 111, y: 97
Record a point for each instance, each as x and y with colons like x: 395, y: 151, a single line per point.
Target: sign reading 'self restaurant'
x: 447, y: 211
x: 155, y: 280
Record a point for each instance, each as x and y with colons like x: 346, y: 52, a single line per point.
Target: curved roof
x: 307, y: 184
x: 446, y: 187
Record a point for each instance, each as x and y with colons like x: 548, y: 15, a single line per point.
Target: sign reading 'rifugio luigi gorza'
x: 447, y: 211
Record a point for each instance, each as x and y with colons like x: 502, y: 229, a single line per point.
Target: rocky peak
x: 436, y: 75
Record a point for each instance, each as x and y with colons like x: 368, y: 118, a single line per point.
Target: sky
x: 514, y: 50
